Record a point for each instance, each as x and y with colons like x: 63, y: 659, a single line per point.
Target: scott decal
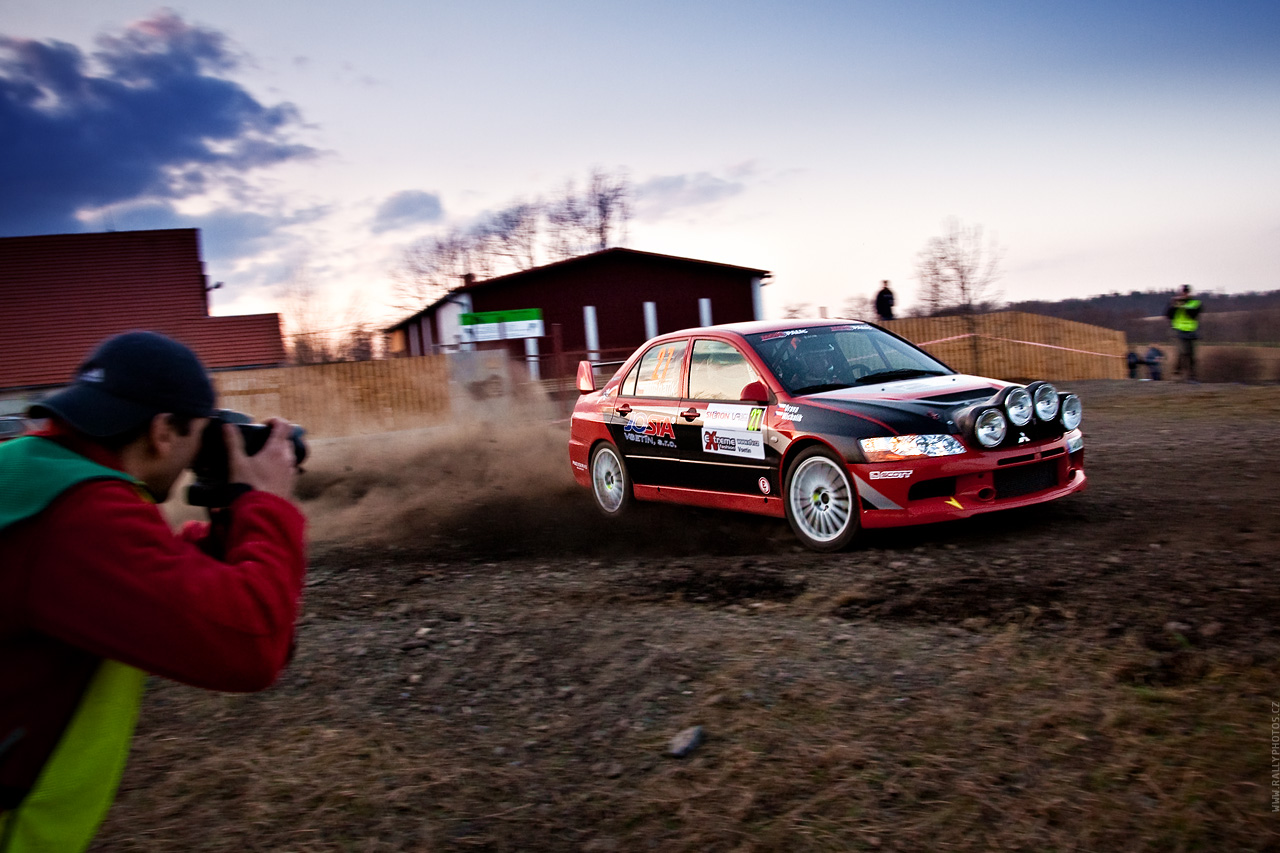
x: 890, y: 475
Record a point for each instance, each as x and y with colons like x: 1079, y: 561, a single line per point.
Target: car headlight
x: 1017, y: 405
x: 892, y: 448
x: 1075, y: 441
x: 1071, y: 411
x: 990, y: 428
x: 1046, y: 400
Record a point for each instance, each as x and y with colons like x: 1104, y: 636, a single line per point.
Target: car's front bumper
x: 894, y: 494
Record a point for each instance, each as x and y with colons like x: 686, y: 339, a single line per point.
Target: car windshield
x: 808, y: 360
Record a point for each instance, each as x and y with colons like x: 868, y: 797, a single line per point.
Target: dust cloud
x: 412, y: 487
x: 495, y: 483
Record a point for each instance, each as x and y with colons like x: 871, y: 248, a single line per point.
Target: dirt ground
x: 485, y: 664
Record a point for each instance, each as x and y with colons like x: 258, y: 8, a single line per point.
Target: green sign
x: 501, y: 325
x: 519, y: 315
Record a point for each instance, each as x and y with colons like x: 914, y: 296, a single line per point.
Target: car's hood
x: 945, y: 390
x: 924, y: 405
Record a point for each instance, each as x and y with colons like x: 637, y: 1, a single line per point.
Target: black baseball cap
x: 128, y: 380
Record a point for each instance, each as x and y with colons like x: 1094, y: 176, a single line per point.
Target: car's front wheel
x: 609, y: 482
x: 821, y: 505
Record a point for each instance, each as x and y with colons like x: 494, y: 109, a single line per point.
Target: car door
x: 642, y: 417
x: 722, y: 439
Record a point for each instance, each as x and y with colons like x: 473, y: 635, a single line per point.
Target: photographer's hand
x: 273, y: 469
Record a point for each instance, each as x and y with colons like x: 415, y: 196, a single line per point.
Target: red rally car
x: 835, y: 424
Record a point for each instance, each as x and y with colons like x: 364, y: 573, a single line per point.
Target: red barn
x: 606, y: 302
x: 63, y: 293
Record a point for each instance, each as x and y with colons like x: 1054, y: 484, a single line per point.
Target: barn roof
x: 61, y: 294
x: 614, y: 253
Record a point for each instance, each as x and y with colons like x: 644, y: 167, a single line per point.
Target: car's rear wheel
x: 821, y: 505
x: 609, y: 482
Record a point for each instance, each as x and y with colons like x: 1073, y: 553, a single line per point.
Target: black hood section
x: 881, y: 417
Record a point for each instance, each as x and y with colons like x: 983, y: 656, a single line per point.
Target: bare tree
x: 359, y: 343
x: 512, y: 234
x: 794, y: 310
x: 609, y: 208
x: 859, y: 308
x: 567, y: 228
x: 958, y: 271
x: 305, y: 339
x: 592, y: 221
x: 431, y: 268
x: 513, y: 238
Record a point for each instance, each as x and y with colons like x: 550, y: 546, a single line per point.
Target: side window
x: 718, y: 371
x: 658, y: 373
x: 628, y: 386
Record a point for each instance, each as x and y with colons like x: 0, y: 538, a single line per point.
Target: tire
x: 610, y: 484
x: 821, y: 504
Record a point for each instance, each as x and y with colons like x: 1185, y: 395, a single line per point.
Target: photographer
x: 96, y: 590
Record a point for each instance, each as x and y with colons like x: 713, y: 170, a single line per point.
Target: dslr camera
x: 212, y: 487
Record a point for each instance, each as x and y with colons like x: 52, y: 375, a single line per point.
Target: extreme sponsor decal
x: 788, y: 412
x: 890, y: 475
x: 733, y: 443
x: 646, y: 429
x: 734, y: 417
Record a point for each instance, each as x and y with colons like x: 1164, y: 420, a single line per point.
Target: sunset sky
x: 1105, y: 146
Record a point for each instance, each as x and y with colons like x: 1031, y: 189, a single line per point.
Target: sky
x: 1100, y: 146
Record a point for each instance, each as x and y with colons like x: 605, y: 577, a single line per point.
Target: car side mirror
x: 586, y: 377
x: 754, y: 392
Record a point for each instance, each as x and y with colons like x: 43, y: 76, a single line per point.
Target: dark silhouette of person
x: 1154, y: 359
x: 884, y: 301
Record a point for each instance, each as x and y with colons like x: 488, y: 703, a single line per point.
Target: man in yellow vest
x: 1184, y: 317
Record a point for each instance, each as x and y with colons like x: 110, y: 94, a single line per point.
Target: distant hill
x: 1227, y: 317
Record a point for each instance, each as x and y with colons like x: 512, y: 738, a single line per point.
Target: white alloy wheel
x: 609, y: 482
x: 820, y: 502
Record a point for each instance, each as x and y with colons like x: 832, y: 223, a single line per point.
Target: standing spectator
x: 884, y: 301
x: 1184, y: 317
x: 96, y: 590
x: 1133, y: 362
x: 1155, y: 357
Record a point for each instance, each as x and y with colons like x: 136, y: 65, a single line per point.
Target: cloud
x: 407, y: 208
x: 226, y: 234
x: 149, y: 118
x: 664, y: 194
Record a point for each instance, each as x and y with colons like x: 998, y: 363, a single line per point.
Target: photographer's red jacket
x: 99, y: 574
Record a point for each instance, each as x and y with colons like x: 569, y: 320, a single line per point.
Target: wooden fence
x: 350, y: 398
x: 1019, y: 347
x: 367, y: 397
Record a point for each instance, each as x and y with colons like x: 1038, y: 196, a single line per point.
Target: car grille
x: 1025, y: 479
x: 942, y: 487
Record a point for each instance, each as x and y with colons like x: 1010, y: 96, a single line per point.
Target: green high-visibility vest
x: 77, y: 784
x: 1183, y: 318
